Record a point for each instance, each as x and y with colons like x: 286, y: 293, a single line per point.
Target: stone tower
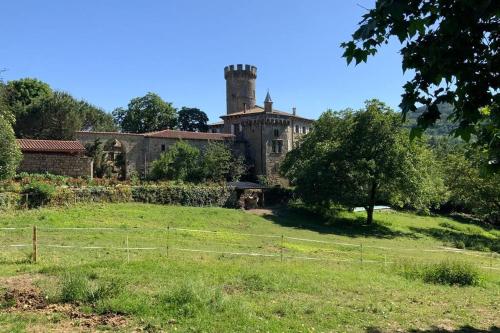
x: 240, y: 87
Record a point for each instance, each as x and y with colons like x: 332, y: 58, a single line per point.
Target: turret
x: 268, y: 103
x: 240, y: 87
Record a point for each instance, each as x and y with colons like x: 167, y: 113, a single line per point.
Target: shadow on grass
x: 300, y: 218
x: 463, y: 329
x: 460, y: 239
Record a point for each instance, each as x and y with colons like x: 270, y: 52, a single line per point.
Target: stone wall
x: 57, y: 164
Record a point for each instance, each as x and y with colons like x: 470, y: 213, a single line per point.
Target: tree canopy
x: 146, y: 114
x: 192, y: 119
x: 452, y: 47
x: 10, y: 154
x: 360, y: 159
x: 41, y: 113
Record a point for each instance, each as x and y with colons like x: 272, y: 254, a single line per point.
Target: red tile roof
x: 188, y: 135
x: 53, y: 146
x: 260, y: 110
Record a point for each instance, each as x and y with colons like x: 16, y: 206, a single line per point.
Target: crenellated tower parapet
x: 240, y: 87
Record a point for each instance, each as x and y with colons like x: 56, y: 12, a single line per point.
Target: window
x: 304, y: 130
x: 276, y: 133
x: 277, y: 146
x: 163, y: 147
x: 296, y: 128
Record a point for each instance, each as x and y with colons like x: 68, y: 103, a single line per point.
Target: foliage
x: 8, y: 200
x: 76, y: 287
x: 185, y: 194
x: 44, y: 114
x: 20, y: 94
x: 106, y: 165
x: 471, y: 188
x: 433, y: 34
x: 192, y: 119
x: 37, y: 194
x: 361, y: 158
x: 180, y: 162
x: 95, y: 119
x: 146, y: 114
x: 10, y: 154
x: 220, y: 164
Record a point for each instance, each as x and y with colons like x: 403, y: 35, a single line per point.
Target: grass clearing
x: 215, y: 291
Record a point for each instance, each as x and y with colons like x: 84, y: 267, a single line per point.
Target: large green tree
x: 146, y: 114
x: 10, y: 154
x: 452, y: 46
x: 180, y: 162
x: 42, y: 113
x: 360, y: 159
x: 219, y: 163
x: 193, y: 120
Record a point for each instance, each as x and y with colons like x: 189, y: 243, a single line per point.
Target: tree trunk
x: 371, y: 203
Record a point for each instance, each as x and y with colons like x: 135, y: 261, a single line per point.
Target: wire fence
x: 171, y: 240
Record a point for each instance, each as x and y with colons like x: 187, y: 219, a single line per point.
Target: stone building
x: 66, y: 158
x: 139, y: 150
x: 263, y: 134
x: 266, y: 133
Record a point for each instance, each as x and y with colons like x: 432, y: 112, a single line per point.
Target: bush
x: 8, y: 200
x: 446, y: 272
x: 452, y: 273
x: 76, y: 287
x: 184, y: 194
x: 37, y: 194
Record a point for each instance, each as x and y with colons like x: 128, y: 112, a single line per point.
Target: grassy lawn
x: 303, y: 276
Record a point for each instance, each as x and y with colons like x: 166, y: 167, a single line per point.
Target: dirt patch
x: 261, y: 211
x: 20, y: 294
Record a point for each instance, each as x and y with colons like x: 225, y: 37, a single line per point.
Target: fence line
x: 442, y: 249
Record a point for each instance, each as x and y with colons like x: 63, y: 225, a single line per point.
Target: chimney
x: 294, y: 111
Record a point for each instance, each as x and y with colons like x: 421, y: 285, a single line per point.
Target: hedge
x: 186, y: 195
x: 168, y: 194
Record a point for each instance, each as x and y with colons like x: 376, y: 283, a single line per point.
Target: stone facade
x: 266, y: 133
x: 141, y: 149
x: 57, y: 164
x: 262, y: 134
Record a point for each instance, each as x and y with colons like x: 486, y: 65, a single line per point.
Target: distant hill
x: 442, y: 127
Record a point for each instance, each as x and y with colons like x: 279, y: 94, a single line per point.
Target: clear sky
x: 109, y: 51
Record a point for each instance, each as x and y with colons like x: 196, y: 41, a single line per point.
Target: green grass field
x: 185, y: 269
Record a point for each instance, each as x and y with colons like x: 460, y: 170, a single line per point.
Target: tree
x: 55, y: 117
x: 433, y: 36
x: 193, y: 120
x: 360, y: 159
x: 20, y: 94
x: 180, y: 162
x: 10, y: 154
x: 471, y: 189
x: 220, y: 164
x: 44, y: 114
x: 146, y: 114
x: 95, y: 119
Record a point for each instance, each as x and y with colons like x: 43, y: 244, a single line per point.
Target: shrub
x: 446, y: 272
x: 37, y: 194
x: 452, y: 273
x: 76, y: 287
x: 180, y: 162
x: 8, y: 200
x: 184, y: 194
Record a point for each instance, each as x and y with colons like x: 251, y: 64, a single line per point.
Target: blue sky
x: 109, y: 51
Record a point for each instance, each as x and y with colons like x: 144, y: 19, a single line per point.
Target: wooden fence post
x: 168, y: 236
x: 34, y: 254
x: 281, y: 252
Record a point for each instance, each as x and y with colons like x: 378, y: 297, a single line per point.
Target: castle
x: 262, y: 134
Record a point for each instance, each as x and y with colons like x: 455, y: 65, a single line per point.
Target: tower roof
x: 268, y: 98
